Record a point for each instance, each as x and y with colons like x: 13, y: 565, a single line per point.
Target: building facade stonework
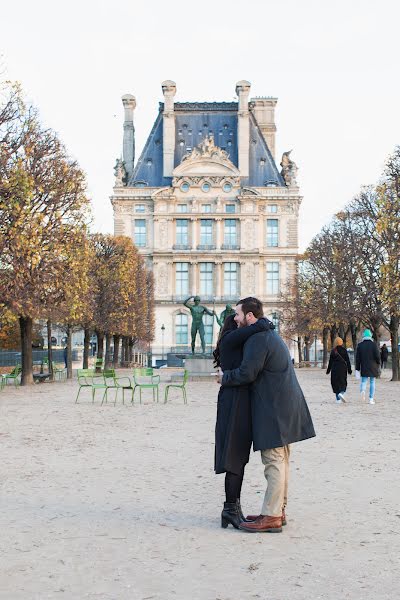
x: 208, y: 208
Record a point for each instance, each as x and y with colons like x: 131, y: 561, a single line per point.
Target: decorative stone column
x: 193, y: 278
x: 242, y: 91
x: 194, y: 233
x: 218, y: 278
x: 169, y: 91
x: 218, y: 237
x: 129, y: 103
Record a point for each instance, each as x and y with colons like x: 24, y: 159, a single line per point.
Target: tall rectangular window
x: 272, y: 232
x: 182, y: 279
x: 230, y: 237
x: 206, y: 279
x: 272, y: 278
x: 206, y: 232
x: 140, y: 232
x: 231, y: 279
x: 182, y: 236
x: 181, y: 330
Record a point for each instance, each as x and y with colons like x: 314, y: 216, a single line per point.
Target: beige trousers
x: 276, y: 471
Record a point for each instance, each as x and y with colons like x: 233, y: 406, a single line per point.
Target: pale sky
x: 334, y: 67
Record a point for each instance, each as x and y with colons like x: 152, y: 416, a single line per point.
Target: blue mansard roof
x: 195, y: 121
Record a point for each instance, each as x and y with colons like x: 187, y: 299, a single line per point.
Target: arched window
x: 181, y: 330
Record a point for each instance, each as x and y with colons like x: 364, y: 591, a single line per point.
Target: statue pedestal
x: 200, y: 366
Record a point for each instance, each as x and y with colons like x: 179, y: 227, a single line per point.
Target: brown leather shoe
x: 256, y: 517
x: 264, y: 524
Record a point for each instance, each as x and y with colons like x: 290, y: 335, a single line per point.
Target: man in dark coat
x: 280, y: 415
x: 368, y: 361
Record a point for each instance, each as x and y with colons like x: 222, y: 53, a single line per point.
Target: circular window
x: 185, y: 186
x: 206, y: 187
x: 227, y: 187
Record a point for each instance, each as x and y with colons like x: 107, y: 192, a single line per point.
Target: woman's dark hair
x: 229, y: 325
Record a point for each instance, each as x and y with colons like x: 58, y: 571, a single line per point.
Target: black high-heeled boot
x: 231, y: 515
x: 243, y: 518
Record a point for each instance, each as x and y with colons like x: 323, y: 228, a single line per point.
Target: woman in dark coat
x: 233, y: 434
x: 339, y: 365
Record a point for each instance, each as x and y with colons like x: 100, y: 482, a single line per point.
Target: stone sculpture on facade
x: 207, y: 148
x: 120, y: 173
x: 289, y: 169
x: 197, y: 311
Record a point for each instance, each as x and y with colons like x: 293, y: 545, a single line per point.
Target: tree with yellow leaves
x: 43, y: 208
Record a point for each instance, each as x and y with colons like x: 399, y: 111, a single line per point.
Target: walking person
x: 339, y: 365
x: 384, y: 356
x: 368, y: 360
x: 280, y: 415
x: 233, y: 435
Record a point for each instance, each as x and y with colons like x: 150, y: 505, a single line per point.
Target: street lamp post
x: 162, y: 344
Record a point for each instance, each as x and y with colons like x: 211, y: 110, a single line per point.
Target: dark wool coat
x: 384, y: 354
x: 368, y: 359
x: 280, y: 415
x: 339, y: 365
x: 233, y: 434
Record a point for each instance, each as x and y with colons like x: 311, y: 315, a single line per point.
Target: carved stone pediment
x: 207, y: 159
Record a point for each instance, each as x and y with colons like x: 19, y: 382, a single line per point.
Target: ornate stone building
x: 207, y: 206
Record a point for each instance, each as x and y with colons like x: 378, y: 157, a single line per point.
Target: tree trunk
x: 333, y: 334
x: 299, y: 350
x: 49, y: 350
x: 325, y: 335
x: 307, y: 343
x: 25, y: 325
x: 107, y: 362
x: 116, y: 351
x: 130, y: 350
x: 394, y: 338
x: 342, y: 332
x: 100, y: 344
x: 354, y: 329
x: 86, y: 348
x: 69, y: 352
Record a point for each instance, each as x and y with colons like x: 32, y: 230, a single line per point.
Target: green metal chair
x: 124, y: 383
x: 181, y: 386
x: 99, y: 364
x: 85, y: 379
x: 59, y: 373
x: 13, y: 376
x: 144, y: 379
x: 110, y: 383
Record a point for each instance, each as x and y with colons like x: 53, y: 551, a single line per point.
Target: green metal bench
x: 145, y: 379
x: 180, y: 386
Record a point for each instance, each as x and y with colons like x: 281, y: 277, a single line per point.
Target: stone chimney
x: 242, y: 91
x: 169, y: 91
x: 264, y: 112
x: 128, y: 149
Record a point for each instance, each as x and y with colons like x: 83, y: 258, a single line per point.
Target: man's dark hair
x: 253, y: 305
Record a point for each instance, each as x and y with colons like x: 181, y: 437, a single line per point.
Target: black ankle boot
x: 231, y: 515
x: 240, y: 509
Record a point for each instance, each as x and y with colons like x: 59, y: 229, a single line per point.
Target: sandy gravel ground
x: 121, y: 503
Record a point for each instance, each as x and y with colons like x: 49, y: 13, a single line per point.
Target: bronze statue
x: 225, y: 313
x: 197, y: 311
